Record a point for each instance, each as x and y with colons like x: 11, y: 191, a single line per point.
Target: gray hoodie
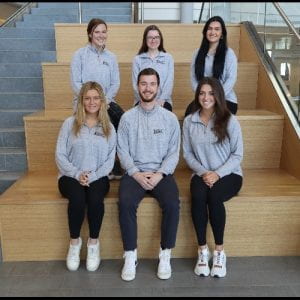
x: 89, y: 151
x: 148, y: 140
x: 202, y: 152
x: 228, y: 77
x: 90, y: 64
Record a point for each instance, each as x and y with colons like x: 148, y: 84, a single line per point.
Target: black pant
x: 115, y: 113
x: 208, y: 203
x: 167, y: 105
x: 130, y: 195
x: 233, y: 107
x: 79, y: 196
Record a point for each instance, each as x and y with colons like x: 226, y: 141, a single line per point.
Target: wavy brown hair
x: 144, y: 47
x: 222, y: 113
x: 80, y: 114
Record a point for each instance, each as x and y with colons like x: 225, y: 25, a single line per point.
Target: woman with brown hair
x: 95, y: 62
x: 213, y: 149
x: 85, y: 154
x: 152, y: 54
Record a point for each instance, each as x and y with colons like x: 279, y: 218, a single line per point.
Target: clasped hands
x: 148, y: 180
x: 210, y: 178
x: 84, y: 178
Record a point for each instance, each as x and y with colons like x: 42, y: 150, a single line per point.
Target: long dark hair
x: 222, y: 113
x: 219, y: 60
x: 144, y: 47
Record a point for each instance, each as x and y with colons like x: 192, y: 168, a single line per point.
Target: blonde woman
x: 85, y: 154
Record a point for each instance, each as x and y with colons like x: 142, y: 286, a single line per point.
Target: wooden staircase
x: 263, y: 219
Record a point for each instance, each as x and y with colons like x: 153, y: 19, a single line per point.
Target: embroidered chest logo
x: 157, y: 131
x: 105, y: 63
x: 98, y: 133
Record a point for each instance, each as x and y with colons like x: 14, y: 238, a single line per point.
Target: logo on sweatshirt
x: 157, y: 131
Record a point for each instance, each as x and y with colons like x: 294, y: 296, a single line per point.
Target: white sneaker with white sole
x: 164, y: 270
x: 202, y: 266
x: 130, y: 263
x: 73, y: 257
x: 93, y: 257
x: 219, y: 264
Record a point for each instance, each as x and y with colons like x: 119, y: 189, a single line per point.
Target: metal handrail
x: 79, y: 12
x: 18, y: 13
x: 274, y: 76
x: 286, y: 19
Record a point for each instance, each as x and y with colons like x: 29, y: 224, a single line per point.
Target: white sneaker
x: 93, y: 257
x: 164, y: 267
x: 129, y: 268
x: 219, y: 264
x: 73, y: 257
x: 202, y: 267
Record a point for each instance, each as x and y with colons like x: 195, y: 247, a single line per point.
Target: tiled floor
x: 248, y: 276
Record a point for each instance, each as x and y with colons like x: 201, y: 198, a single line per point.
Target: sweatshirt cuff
x: 132, y: 170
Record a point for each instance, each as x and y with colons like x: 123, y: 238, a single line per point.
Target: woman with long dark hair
x: 213, y: 149
x: 215, y: 59
x: 152, y: 54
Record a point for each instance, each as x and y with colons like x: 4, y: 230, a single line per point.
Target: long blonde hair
x: 80, y: 113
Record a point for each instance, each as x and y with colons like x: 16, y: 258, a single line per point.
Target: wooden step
x: 262, y: 220
x: 262, y: 134
x: 58, y: 92
x: 125, y: 39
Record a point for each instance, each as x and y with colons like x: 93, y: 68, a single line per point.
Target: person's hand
x: 155, y: 179
x: 210, y: 178
x: 84, y: 178
x: 143, y: 178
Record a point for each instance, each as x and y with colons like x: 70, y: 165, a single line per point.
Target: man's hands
x: 148, y: 180
x: 210, y: 178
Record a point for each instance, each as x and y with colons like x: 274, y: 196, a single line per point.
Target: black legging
x: 233, y: 107
x: 79, y: 196
x: 208, y: 203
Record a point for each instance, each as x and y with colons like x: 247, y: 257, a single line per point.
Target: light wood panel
x: 58, y: 92
x: 124, y: 40
x: 33, y: 219
x: 267, y: 98
x: 262, y: 134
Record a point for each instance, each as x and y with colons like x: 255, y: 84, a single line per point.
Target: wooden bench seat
x: 262, y: 134
x: 58, y: 92
x: 259, y: 222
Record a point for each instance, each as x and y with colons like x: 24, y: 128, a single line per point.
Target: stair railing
x: 18, y: 14
x: 79, y: 13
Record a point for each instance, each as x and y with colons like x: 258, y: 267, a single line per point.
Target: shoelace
x: 73, y: 251
x: 220, y: 259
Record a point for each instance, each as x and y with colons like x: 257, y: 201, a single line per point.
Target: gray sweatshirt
x: 148, y: 140
x: 228, y: 77
x: 163, y: 64
x: 202, y: 152
x: 89, y: 151
x: 90, y: 64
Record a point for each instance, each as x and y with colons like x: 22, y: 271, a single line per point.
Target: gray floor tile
x: 296, y: 290
x: 29, y: 268
x: 272, y: 291
x: 246, y: 276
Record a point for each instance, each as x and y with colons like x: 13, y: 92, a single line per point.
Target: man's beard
x: 147, y: 100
